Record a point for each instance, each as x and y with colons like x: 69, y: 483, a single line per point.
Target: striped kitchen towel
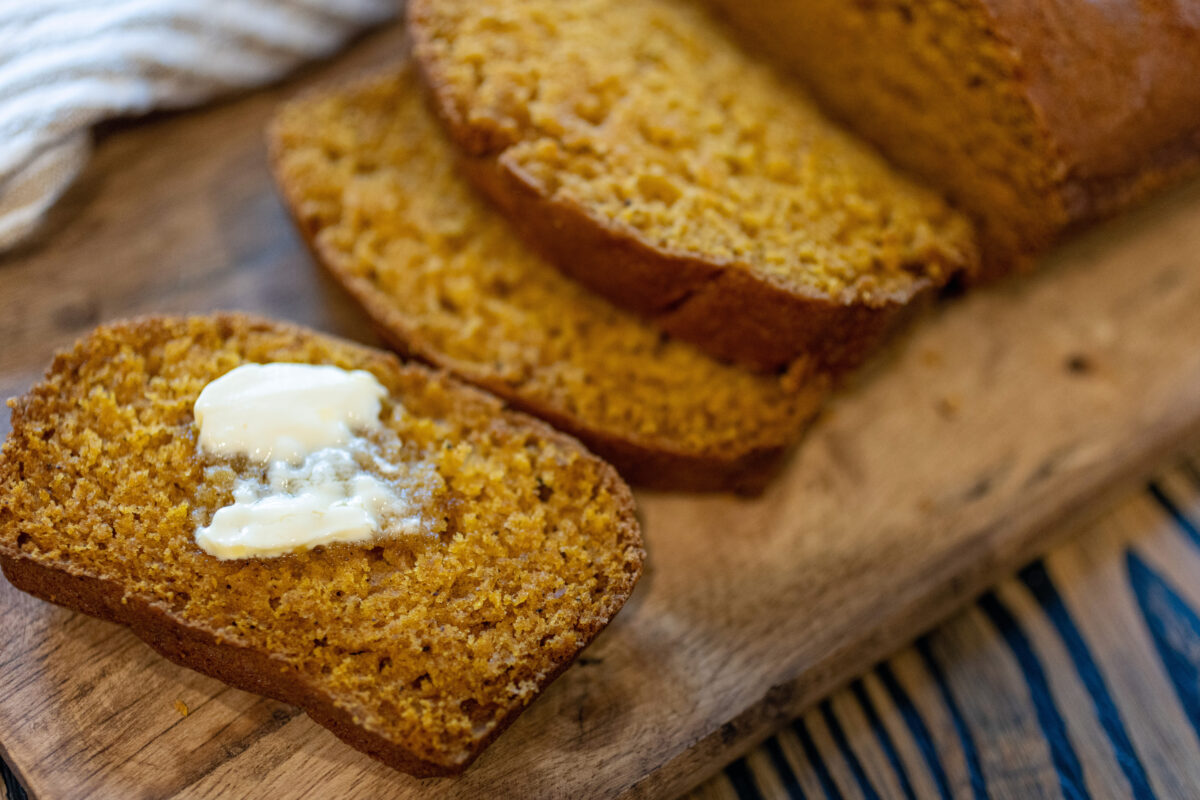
x: 67, y: 64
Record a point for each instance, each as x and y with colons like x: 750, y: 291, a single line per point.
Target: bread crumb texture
x: 645, y: 114
x: 951, y: 89
x: 430, y: 640
x: 371, y: 177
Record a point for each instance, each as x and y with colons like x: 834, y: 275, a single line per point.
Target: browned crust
x: 723, y: 309
x: 717, y: 305
x: 1068, y: 113
x: 1114, y: 84
x: 654, y: 463
x: 1110, y: 89
x: 1092, y: 199
x: 200, y: 648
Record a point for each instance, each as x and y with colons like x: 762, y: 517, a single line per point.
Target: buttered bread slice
x: 650, y: 158
x: 371, y: 181
x: 445, y: 558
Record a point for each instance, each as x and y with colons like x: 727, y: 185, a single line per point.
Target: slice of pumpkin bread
x: 417, y: 646
x: 371, y: 182
x: 649, y: 157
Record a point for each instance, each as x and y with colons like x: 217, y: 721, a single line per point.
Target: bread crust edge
x: 718, y: 306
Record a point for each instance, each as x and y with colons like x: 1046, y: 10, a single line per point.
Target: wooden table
x: 958, y: 457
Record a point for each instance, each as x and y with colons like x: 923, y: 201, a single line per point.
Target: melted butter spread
x: 305, y: 424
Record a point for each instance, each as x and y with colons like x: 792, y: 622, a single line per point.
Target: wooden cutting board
x: 952, y: 460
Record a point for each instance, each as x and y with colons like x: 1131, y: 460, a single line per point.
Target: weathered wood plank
x: 1076, y: 609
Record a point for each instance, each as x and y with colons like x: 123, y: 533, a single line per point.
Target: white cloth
x: 68, y: 64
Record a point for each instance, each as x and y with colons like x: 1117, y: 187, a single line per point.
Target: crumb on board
x: 949, y: 406
x: 1079, y: 364
x: 182, y: 708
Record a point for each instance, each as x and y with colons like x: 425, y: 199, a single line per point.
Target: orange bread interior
x: 418, y: 647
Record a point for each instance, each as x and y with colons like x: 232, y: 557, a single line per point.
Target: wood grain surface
x: 953, y: 460
x: 1076, y: 678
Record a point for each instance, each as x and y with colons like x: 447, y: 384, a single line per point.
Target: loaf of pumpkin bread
x: 649, y: 157
x: 418, y: 646
x: 371, y: 181
x: 1036, y: 115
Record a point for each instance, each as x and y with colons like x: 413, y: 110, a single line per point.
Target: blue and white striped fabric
x: 67, y: 64
x: 1078, y: 678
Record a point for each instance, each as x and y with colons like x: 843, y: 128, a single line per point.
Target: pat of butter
x: 273, y: 412
x: 300, y: 421
x: 325, y: 499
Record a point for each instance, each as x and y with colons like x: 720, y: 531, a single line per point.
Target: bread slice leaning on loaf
x: 370, y: 179
x: 1036, y: 116
x: 650, y: 158
x: 417, y: 647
